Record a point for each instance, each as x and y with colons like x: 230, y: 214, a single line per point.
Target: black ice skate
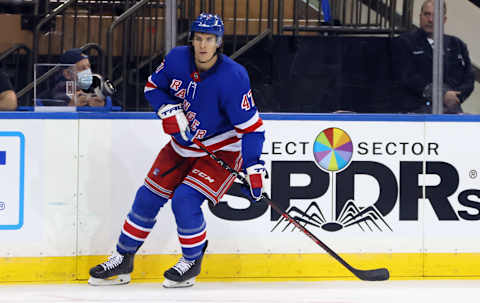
x: 115, y: 271
x: 184, y: 272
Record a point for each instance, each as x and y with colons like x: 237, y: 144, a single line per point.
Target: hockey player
x: 199, y: 93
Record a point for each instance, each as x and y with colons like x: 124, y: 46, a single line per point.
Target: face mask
x: 85, y: 78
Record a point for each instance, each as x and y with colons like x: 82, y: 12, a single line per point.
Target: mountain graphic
x: 368, y: 218
x: 312, y: 216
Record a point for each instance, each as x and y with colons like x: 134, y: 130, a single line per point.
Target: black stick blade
x: 380, y: 274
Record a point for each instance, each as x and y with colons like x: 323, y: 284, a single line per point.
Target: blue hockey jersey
x: 218, y: 103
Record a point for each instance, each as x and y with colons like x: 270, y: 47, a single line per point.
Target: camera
x: 102, y: 87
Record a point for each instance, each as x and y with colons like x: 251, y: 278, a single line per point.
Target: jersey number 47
x: 247, y: 101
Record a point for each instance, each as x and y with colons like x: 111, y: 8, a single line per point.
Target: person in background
x: 8, y: 98
x: 415, y: 67
x: 84, y: 76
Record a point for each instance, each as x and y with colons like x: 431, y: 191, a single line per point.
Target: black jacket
x: 414, y: 69
x: 4, y: 82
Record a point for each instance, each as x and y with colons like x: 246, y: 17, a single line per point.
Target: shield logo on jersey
x: 195, y: 76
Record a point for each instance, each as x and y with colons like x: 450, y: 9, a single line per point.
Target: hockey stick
x: 379, y: 274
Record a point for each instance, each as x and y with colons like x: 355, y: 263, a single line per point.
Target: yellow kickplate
x: 249, y: 267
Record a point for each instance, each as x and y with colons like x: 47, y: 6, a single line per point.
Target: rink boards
x: 401, y: 192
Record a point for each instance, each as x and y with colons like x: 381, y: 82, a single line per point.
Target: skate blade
x: 172, y: 284
x: 118, y: 280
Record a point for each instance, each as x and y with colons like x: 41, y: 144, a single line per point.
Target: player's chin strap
x: 379, y: 274
x: 211, y: 58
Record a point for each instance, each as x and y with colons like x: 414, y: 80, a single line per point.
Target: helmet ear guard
x: 219, y: 41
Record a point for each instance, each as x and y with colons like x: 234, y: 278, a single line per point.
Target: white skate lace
x: 113, y: 261
x: 183, y: 265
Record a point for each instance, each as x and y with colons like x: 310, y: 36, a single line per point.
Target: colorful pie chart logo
x: 332, y: 149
